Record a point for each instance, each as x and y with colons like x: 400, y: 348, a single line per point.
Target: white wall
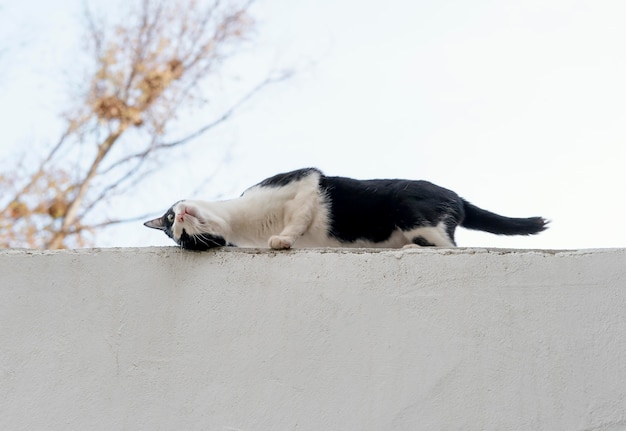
x: 161, y: 339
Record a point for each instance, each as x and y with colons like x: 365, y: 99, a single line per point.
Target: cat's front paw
x: 280, y: 242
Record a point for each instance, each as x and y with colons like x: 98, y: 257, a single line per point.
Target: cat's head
x: 191, y: 226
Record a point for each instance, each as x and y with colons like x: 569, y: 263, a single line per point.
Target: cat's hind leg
x: 419, y: 242
x: 430, y: 236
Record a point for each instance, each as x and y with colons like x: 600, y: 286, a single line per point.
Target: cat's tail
x: 480, y: 219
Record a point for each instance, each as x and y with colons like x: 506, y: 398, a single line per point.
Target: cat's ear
x: 157, y: 223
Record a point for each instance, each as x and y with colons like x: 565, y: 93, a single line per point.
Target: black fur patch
x: 167, y: 224
x: 281, y: 180
x: 373, y: 209
x: 201, y: 242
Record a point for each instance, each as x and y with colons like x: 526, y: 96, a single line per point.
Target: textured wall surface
x: 162, y: 339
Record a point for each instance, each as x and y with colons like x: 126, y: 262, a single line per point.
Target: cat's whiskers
x: 209, y: 242
x: 201, y: 240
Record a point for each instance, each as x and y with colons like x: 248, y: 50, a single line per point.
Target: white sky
x: 518, y: 106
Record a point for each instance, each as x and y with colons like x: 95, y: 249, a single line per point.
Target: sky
x: 518, y: 106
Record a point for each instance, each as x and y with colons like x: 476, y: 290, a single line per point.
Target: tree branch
x: 40, y: 171
x: 108, y: 223
x: 116, y: 185
x: 202, y: 130
x: 72, y: 210
x: 225, y: 116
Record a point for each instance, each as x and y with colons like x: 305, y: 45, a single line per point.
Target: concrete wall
x: 161, y: 339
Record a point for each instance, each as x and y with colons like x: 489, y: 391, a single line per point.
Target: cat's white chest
x: 297, y: 211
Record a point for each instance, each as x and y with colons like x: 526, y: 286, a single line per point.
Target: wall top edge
x: 173, y: 250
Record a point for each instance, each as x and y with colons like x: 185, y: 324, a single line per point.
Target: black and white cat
x: 305, y: 208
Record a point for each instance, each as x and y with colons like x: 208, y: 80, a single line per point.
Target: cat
x: 306, y: 208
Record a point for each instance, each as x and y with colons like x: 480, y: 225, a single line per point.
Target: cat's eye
x: 170, y: 217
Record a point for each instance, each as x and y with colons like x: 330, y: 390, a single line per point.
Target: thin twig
x: 107, y: 223
x: 225, y: 116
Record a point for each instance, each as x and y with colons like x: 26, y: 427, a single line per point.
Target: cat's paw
x: 411, y: 246
x: 280, y: 242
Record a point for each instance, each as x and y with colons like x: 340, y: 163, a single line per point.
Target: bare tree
x: 143, y: 71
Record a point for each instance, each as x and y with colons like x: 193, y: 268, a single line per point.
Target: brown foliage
x: 113, y: 108
x: 34, y: 213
